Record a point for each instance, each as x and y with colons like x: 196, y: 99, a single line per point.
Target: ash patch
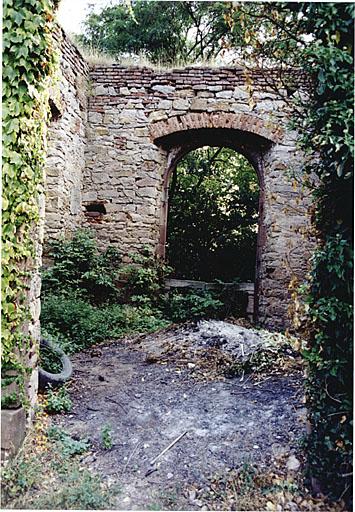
x: 149, y: 405
x: 235, y: 340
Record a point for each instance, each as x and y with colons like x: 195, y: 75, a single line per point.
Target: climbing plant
x: 29, y: 62
x: 318, y: 37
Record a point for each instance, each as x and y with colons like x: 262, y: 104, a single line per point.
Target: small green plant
x: 67, y: 445
x: 77, y: 324
x: 58, y: 401
x: 50, y: 360
x: 145, y: 275
x: 106, y: 437
x: 79, y: 266
x: 9, y: 400
x: 180, y: 306
x: 54, y: 478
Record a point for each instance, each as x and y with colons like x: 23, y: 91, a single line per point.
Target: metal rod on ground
x: 168, y: 448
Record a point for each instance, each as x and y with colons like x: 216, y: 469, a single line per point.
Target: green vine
x: 30, y: 62
x: 328, y: 128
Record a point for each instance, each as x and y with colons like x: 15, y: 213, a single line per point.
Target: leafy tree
x: 213, y: 212
x: 163, y: 31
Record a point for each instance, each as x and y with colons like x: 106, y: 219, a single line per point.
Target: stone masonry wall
x: 115, y: 142
x: 139, y: 120
x: 61, y: 203
x: 67, y: 141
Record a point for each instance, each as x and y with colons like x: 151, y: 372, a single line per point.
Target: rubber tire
x: 54, y: 379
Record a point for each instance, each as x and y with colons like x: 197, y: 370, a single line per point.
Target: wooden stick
x: 168, y: 448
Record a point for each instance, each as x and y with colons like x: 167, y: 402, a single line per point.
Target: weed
x: 106, y: 437
x: 180, y: 307
x: 50, y: 360
x: 79, y: 267
x: 49, y: 476
x: 77, y: 489
x: 9, y: 401
x: 58, y: 401
x: 67, y: 445
x: 77, y: 324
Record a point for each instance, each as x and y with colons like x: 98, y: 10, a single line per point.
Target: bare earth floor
x: 150, y: 401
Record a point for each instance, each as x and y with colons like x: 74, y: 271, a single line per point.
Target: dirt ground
x: 148, y: 400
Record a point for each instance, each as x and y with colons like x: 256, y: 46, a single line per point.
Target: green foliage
x: 106, y: 437
x: 29, y: 62
x: 19, y: 477
x: 163, y: 31
x: 76, y: 319
x: 79, y: 267
x: 58, y: 401
x: 9, y: 400
x: 145, y: 275
x: 328, y: 128
x: 213, y: 216
x: 53, y: 478
x: 318, y: 37
x: 67, y: 445
x: 50, y: 360
x: 77, y: 324
x: 180, y: 307
x: 80, y: 490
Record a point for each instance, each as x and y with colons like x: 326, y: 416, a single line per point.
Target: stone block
x: 13, y: 431
x: 164, y: 89
x: 95, y: 117
x: 124, y: 91
x: 100, y: 90
x: 199, y: 104
x: 224, y: 94
x: 180, y: 104
x: 164, y: 105
x: 89, y: 196
x: 157, y: 115
x: 99, y: 177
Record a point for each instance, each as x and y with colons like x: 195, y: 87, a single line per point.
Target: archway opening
x: 213, y: 211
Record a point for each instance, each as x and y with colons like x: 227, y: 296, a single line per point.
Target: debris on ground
x: 202, y: 416
x: 216, y: 350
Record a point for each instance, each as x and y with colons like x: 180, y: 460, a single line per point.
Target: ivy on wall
x: 328, y: 127
x: 29, y: 62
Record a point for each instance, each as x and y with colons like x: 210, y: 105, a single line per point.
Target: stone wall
x: 115, y: 142
x: 142, y: 121
x: 67, y: 141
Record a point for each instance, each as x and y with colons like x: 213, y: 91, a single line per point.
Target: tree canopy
x: 163, y: 31
x: 213, y: 216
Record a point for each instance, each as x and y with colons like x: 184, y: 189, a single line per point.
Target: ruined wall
x: 140, y: 120
x: 115, y: 142
x: 67, y: 141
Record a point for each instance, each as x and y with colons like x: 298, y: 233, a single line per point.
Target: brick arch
x: 178, y: 143
x: 195, y: 121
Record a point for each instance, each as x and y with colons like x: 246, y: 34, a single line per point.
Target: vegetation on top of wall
x: 164, y: 32
x: 29, y: 61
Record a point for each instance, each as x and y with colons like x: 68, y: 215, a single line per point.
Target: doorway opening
x: 213, y: 212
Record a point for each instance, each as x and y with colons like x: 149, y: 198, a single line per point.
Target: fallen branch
x: 168, y: 448
x: 109, y: 399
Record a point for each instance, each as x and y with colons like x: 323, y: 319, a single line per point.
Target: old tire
x: 54, y: 380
